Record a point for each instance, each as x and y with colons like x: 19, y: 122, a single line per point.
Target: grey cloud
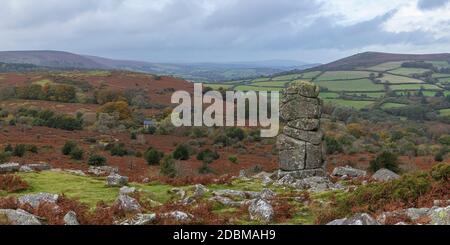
x: 431, y: 4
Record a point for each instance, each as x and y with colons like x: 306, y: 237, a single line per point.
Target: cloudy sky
x: 226, y: 30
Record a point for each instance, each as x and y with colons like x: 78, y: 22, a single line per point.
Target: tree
x: 167, y: 167
x: 96, y: 160
x: 386, y: 160
x: 120, y: 107
x: 153, y: 156
x: 77, y: 154
x: 19, y: 150
x: 181, y: 153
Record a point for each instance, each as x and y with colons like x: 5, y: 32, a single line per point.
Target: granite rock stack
x: 300, y: 144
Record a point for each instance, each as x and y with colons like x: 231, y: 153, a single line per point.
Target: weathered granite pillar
x: 300, y: 144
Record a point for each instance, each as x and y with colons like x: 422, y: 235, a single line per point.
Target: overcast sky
x: 226, y: 30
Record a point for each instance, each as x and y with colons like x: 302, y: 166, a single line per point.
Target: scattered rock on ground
x: 75, y: 172
x: 261, y: 210
x: 102, y: 170
x: 178, y: 191
x: 357, y: 219
x: 349, y: 172
x: 316, y: 184
x: 125, y: 190
x: 115, y: 180
x: 385, y: 175
x: 229, y: 202
x: 285, y: 180
x: 35, y: 199
x: 440, y: 216
x: 71, y: 218
x: 42, y: 166
x: 200, y: 191
x: 416, y: 213
x: 267, y: 194
x: 26, y: 169
x: 238, y: 194
x: 178, y: 216
x: 128, y: 204
x: 19, y: 217
x: 9, y: 167
x: 140, y: 219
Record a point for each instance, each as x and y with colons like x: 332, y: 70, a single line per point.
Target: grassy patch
x: 270, y: 84
x: 386, y: 66
x: 349, y: 103
x: 311, y: 74
x: 328, y: 95
x: 393, y: 79
x: 414, y: 87
x: 342, y: 75
x: 216, y: 86
x: 444, y: 80
x: 43, y: 82
x: 351, y: 85
x: 444, y: 112
x: 392, y: 105
x: 263, y: 79
x: 287, y: 77
x: 408, y: 71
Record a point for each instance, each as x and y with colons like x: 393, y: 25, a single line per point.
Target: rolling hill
x: 205, y: 72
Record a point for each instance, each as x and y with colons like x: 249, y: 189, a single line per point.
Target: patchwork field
x: 393, y: 79
x: 408, y: 71
x: 342, y: 75
x: 349, y: 103
x: 351, y: 85
x: 414, y: 87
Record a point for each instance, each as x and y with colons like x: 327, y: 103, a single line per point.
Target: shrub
x: 332, y: 145
x: 235, y: 133
x: 150, y: 130
x: 445, y: 139
x: 167, y: 167
x: 233, y: 159
x: 12, y: 183
x: 68, y: 147
x: 205, y: 169
x: 386, y: 160
x: 118, y: 150
x: 32, y: 148
x: 9, y: 148
x: 19, y: 150
x: 153, y: 156
x: 96, y: 160
x: 441, y: 172
x: 439, y: 157
x: 208, y: 155
x: 181, y: 153
x: 120, y: 107
x: 222, y: 139
x: 4, y: 157
x: 133, y: 135
x: 76, y: 154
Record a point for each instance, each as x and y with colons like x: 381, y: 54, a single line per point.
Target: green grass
x: 392, y: 105
x: 445, y: 112
x: 439, y: 64
x: 444, y: 80
x: 370, y: 95
x: 439, y: 75
x: 414, y: 87
x: 342, y: 75
x: 311, y: 74
x: 263, y: 79
x: 393, y: 79
x: 408, y: 71
x: 287, y: 77
x: 349, y: 103
x: 216, y: 86
x: 351, y: 85
x: 386, y: 66
x: 254, y: 88
x: 328, y: 95
x: 271, y: 84
x: 86, y: 189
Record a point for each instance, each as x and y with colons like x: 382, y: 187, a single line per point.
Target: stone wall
x: 300, y: 144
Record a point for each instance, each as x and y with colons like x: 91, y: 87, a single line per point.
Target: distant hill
x: 369, y: 59
x: 191, y: 71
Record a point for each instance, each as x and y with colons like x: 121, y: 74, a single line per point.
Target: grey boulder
x: 19, y: 217
x: 385, y: 175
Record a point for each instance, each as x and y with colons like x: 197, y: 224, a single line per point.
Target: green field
x: 216, y: 86
x: 393, y: 79
x: 392, y: 105
x: 370, y: 95
x: 328, y: 95
x: 414, y: 87
x: 311, y: 74
x: 357, y: 104
x: 439, y: 64
x: 444, y: 80
x: 351, y: 85
x: 263, y: 79
x: 439, y: 75
x: 287, y: 77
x: 342, y: 75
x: 271, y: 84
x: 386, y: 66
x: 445, y: 112
x: 408, y: 71
x: 254, y: 88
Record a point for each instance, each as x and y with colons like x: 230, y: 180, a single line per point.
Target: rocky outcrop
x: 440, y: 216
x: 261, y: 210
x: 128, y: 204
x: 357, y: 219
x: 348, y: 171
x: 9, y: 167
x: 178, y: 216
x: 385, y: 175
x: 140, y: 219
x: 35, y: 199
x: 71, y: 218
x: 300, y: 144
x: 42, y: 166
x: 115, y: 180
x: 102, y: 170
x: 18, y: 217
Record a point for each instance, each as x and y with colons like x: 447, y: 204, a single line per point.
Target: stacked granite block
x: 300, y: 144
